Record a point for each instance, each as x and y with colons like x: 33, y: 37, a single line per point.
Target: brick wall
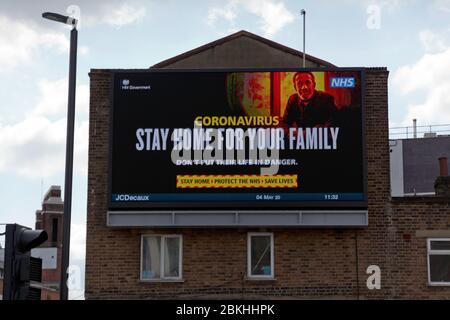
x: 410, y: 221
x: 372, y: 241
x: 309, y: 263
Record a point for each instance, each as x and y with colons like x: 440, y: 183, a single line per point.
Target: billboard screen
x: 237, y: 139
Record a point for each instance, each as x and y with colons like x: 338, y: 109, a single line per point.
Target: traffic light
x: 20, y: 267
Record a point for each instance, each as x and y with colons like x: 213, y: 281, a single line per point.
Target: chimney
x: 442, y: 183
x: 443, y: 169
x: 415, y: 128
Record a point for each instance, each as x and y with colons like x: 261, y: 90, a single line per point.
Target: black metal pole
x: 69, y: 165
x: 304, y: 40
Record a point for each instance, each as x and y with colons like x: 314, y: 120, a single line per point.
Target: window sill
x: 161, y: 280
x: 260, y: 279
x: 439, y: 284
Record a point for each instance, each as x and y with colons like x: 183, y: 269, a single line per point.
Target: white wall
x: 396, y: 165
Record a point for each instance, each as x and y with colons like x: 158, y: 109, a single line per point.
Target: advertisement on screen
x: 231, y: 139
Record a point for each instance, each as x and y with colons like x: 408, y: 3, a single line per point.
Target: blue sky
x: 409, y: 37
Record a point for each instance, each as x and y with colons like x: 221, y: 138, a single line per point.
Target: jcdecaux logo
x: 342, y: 82
x: 128, y: 197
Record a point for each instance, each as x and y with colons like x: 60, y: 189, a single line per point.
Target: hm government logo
x: 126, y: 86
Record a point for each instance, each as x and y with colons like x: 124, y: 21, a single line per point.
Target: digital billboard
x: 235, y: 139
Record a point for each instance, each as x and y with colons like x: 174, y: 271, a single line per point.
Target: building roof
x: 234, y: 36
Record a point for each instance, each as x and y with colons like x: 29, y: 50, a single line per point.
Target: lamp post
x: 303, y: 13
x: 69, y: 147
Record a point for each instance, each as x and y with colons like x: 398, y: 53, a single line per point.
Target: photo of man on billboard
x: 308, y: 107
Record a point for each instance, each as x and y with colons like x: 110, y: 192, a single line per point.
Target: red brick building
x: 308, y: 262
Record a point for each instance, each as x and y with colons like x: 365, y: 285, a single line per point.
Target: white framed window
x: 439, y: 261
x: 161, y: 257
x: 260, y: 255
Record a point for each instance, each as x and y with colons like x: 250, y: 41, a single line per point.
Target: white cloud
x: 83, y: 50
x: 81, y: 146
x: 53, y: 98
x: 391, y: 6
x: 77, y: 261
x: 394, y: 5
x: 228, y: 12
x: 434, y: 110
x: 31, y: 147
x: 35, y: 146
x: 78, y: 241
x: 429, y: 76
x: 124, y: 15
x: 430, y: 71
x: 273, y: 14
x: 18, y: 41
x: 432, y: 42
x: 115, y: 15
x: 442, y: 5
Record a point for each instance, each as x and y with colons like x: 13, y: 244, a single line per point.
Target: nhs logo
x: 342, y: 82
